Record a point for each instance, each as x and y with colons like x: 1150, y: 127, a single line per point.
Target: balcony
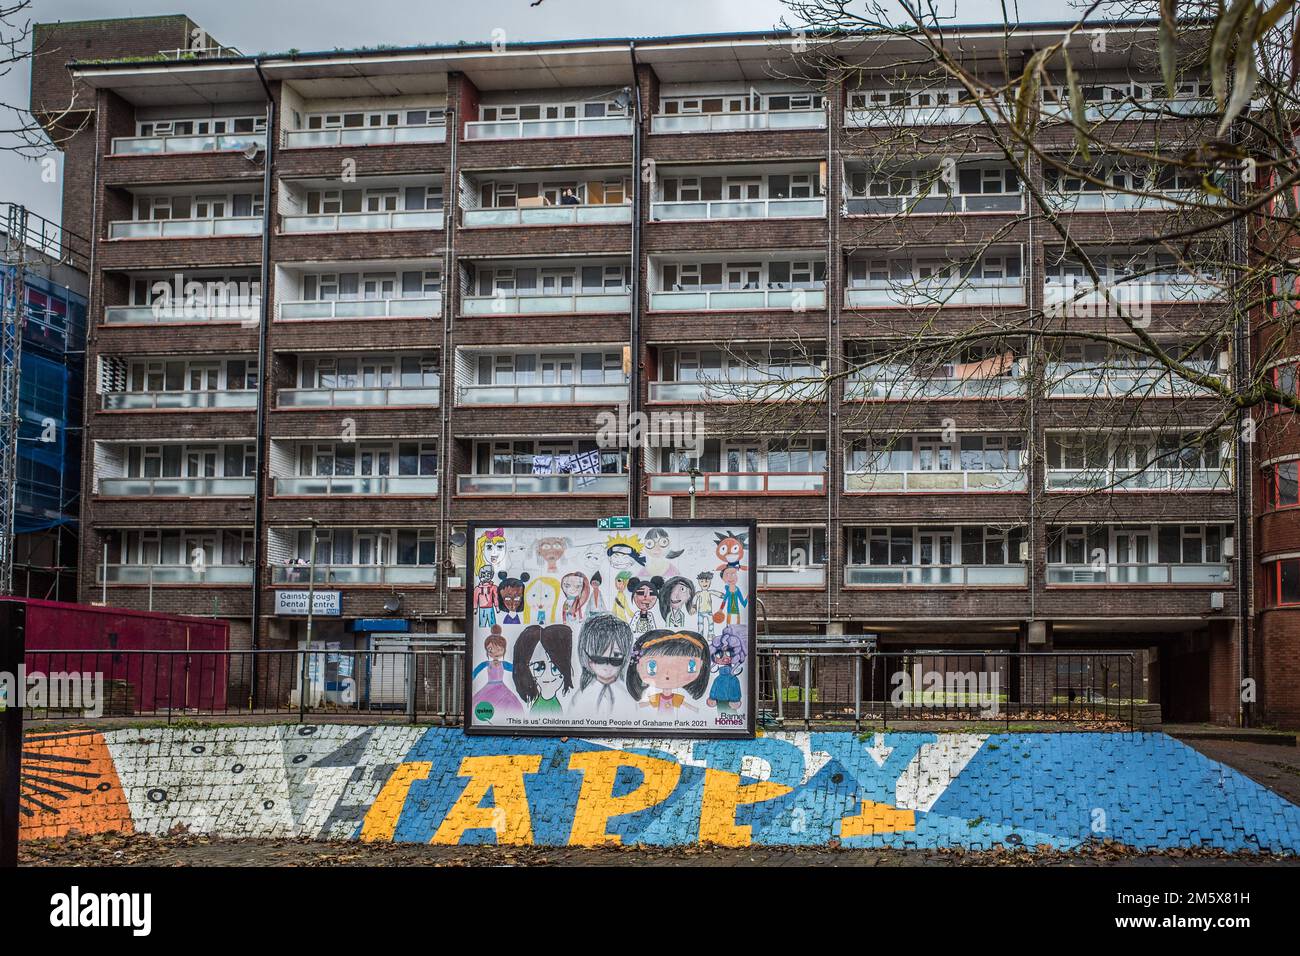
x: 731, y: 122
x: 1115, y: 201
x: 1139, y: 479
x: 1141, y: 574
x: 738, y: 209
x: 740, y: 483
x: 357, y: 397
x: 242, y: 311
x: 214, y: 399
x: 561, y: 215
x: 546, y: 304
x: 176, y: 487
x: 934, y: 575
x: 773, y: 389
x: 1129, y: 296
x: 902, y: 115
x: 610, y: 394
x: 328, y: 574
x: 393, y: 221
x: 936, y: 203
x: 1138, y: 108
x: 790, y: 300
x: 161, y: 145
x: 1090, y: 380
x: 510, y: 485
x: 163, y: 574
x: 414, y: 307
x: 912, y: 293
x: 549, y: 128
x: 364, y: 136
x: 381, y: 485
x: 185, y: 228
x: 903, y: 482
x: 901, y: 383
x: 793, y: 577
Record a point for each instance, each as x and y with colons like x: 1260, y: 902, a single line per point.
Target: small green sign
x: 614, y: 523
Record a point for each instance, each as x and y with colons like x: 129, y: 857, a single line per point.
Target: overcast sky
x: 256, y: 26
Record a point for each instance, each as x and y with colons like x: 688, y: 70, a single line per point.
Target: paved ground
x: 1272, y: 766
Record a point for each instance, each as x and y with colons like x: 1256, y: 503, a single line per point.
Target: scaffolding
x: 42, y: 355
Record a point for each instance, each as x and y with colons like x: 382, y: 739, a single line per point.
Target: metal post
x: 693, y: 473
x: 780, y: 691
x: 103, y: 572
x: 857, y: 690
x: 12, y: 622
x: 807, y: 689
x: 311, y: 602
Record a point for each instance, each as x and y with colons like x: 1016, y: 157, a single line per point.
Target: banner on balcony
x: 643, y: 632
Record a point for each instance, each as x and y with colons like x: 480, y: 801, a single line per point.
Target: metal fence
x: 799, y: 684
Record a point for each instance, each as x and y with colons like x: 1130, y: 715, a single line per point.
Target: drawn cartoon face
x: 704, y: 579
x: 656, y: 546
x: 620, y: 582
x: 668, y: 673
x: 730, y: 550
x: 608, y: 665
x: 571, y: 586
x: 494, y: 551
x: 644, y: 598
x: 546, y: 674
x: 512, y: 597
x: 729, y: 575
x: 681, y: 594
x: 620, y: 557
x: 541, y: 598
x: 722, y: 655
x: 550, y: 550
x: 485, y: 574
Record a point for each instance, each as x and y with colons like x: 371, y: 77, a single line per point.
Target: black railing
x: 826, y: 683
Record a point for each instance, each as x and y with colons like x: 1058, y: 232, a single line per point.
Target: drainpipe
x: 634, y: 461
x: 264, y: 328
x: 1241, y: 369
x: 450, y: 281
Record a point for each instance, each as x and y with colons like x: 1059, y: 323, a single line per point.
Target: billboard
x: 643, y: 631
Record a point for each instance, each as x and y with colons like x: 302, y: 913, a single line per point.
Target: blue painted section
x: 1060, y: 790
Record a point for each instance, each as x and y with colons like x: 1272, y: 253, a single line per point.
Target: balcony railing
x: 1131, y: 109
x: 158, y: 145
x: 541, y: 394
x: 1127, y: 294
x: 686, y: 300
x: 727, y: 122
x: 356, y: 574
x: 934, y: 575
x: 424, y: 306
x: 185, y: 228
x: 159, y: 574
x: 240, y: 311
x: 541, y: 485
x: 355, y: 397
x: 740, y: 483
x: 740, y: 390
x: 902, y: 385
x: 175, y: 487
x: 895, y: 482
x: 575, y: 215
x: 1113, y: 201
x: 914, y: 205
x: 909, y: 292
x: 364, y: 136
x: 364, y: 221
x: 358, y: 485
x: 1133, y: 479
x: 1089, y: 380
x: 775, y: 577
x: 540, y: 304
x: 549, y: 128
x: 917, y: 115
x: 739, y: 209
x: 1139, y: 574
x: 233, y: 398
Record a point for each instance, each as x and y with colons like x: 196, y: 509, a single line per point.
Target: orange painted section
x: 69, y: 785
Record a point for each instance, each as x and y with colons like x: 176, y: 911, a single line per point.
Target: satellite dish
x: 251, y: 150
x: 458, y: 539
x: 393, y: 604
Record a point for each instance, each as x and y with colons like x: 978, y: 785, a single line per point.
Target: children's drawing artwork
x: 644, y: 631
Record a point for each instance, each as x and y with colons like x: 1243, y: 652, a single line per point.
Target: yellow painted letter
x: 723, y: 792
x: 596, y: 802
x: 509, y: 816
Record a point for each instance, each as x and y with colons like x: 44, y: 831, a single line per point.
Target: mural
x: 411, y: 784
x: 572, y: 630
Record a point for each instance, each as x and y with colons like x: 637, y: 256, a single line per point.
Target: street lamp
x: 694, y: 473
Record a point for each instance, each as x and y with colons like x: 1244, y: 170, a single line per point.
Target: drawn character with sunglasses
x: 604, y: 644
